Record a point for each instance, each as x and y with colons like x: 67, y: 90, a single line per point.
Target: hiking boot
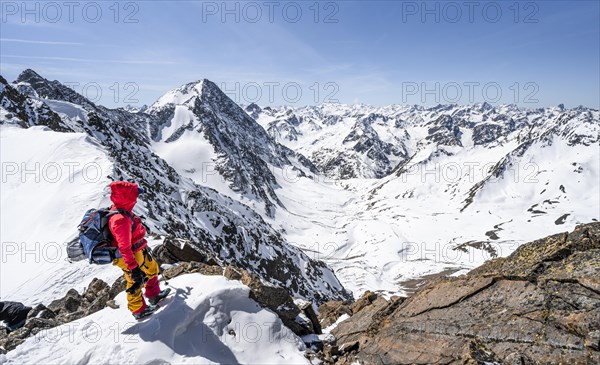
x: 146, y: 312
x: 163, y: 294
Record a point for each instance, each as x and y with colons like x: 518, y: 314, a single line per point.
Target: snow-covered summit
x: 206, y: 136
x: 183, y: 95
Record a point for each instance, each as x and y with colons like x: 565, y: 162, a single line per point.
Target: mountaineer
x: 139, y: 268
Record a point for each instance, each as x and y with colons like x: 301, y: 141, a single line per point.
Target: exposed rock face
x: 69, y: 308
x: 540, y: 305
x: 329, y: 312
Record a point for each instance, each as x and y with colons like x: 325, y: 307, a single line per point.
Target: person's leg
x: 151, y: 269
x: 135, y: 301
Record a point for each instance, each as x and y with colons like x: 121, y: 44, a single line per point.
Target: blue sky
x: 377, y: 52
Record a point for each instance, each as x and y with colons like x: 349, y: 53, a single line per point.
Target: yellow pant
x: 135, y: 301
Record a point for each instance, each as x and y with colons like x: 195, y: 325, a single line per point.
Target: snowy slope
x: 476, y: 183
x: 49, y: 180
x: 208, y: 320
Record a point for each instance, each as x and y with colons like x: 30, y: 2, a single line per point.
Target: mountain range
x: 379, y: 197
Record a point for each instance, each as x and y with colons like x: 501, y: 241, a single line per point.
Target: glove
x: 138, y: 278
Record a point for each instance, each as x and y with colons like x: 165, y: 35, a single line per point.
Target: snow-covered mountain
x: 384, y: 195
x: 174, y: 204
x: 201, y: 132
x: 456, y: 185
x: 362, y: 141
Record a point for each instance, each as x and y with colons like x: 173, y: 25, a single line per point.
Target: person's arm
x: 120, y: 226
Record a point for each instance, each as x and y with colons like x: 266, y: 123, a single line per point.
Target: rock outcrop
x: 174, y: 250
x: 540, y: 305
x: 69, y: 308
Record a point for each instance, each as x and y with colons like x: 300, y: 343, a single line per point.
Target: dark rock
x: 175, y: 250
x: 40, y: 311
x: 69, y: 303
x: 349, y: 347
x: 205, y: 269
x: 32, y: 327
x: 314, y: 343
x: 476, y: 353
x: 68, y: 317
x: 71, y: 307
x: 329, y: 312
x: 98, y: 304
x: 331, y: 351
x: 193, y: 267
x: 308, y: 310
x: 276, y: 299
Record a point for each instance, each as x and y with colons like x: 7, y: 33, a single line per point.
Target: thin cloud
x: 31, y: 41
x: 130, y: 62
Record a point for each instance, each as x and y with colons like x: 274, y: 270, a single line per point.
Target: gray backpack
x: 75, y: 250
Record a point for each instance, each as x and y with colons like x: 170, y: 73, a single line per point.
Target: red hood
x: 124, y: 194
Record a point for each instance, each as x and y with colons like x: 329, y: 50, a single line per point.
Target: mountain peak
x: 253, y: 110
x: 183, y: 94
x: 29, y: 75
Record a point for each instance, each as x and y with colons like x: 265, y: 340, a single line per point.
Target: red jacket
x: 124, y: 196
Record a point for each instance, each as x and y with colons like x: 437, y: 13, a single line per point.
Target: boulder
x: 40, y: 311
x: 33, y: 326
x: 308, y: 311
x: 329, y: 312
x: 66, y: 309
x: 174, y: 250
x: 232, y: 273
x: 68, y: 304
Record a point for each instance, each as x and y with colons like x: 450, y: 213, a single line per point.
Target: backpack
x: 95, y: 237
x: 75, y: 250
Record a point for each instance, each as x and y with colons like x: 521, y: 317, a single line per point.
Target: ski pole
x: 162, y: 273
